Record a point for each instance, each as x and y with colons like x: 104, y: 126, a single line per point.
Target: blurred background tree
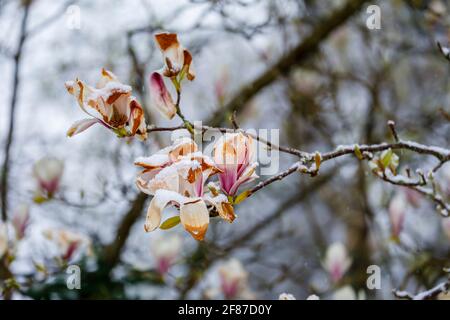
x: 309, y: 68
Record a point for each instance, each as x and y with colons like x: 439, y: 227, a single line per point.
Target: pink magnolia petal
x: 81, y: 125
x: 160, y: 96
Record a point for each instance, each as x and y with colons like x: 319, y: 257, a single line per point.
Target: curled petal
x: 137, y: 120
x: 81, y: 125
x: 177, y: 59
x: 113, y: 103
x: 173, y: 53
x: 194, y: 216
x: 143, y: 179
x: 223, y: 207
x: 161, y: 199
x: 160, y: 96
x: 187, y: 64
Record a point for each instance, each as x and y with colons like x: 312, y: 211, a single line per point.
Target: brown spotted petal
x: 115, y: 107
x: 176, y: 58
x: 137, y: 123
x: 194, y: 216
x: 182, y: 147
x: 222, y: 206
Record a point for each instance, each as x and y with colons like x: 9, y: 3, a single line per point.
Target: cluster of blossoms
x: 177, y: 175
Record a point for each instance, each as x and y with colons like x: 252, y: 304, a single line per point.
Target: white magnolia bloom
x: 116, y: 108
x: 177, y: 59
x: 165, y: 250
x: 176, y: 176
x: 337, y: 261
x: 234, y: 280
x: 348, y: 293
x: 47, y: 172
x: 313, y: 297
x: 3, y: 239
x: 20, y: 220
x: 68, y: 243
x: 234, y: 154
x: 397, y: 211
x: 286, y: 296
x: 446, y: 226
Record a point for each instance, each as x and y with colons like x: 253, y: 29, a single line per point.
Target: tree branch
x: 293, y: 58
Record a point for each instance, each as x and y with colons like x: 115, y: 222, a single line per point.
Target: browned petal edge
x: 69, y: 88
x: 146, y: 167
x: 81, y: 92
x: 198, y: 233
x: 115, y: 94
x: 182, y: 150
x: 193, y: 175
x: 228, y: 212
x: 205, y: 166
x: 138, y: 115
x: 107, y: 74
x: 187, y: 64
x: 166, y: 40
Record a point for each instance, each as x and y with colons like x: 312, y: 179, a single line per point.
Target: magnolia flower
x: 446, y: 226
x: 117, y: 109
x: 337, y: 261
x: 68, y: 243
x: 20, y: 220
x: 234, y: 280
x: 234, y: 156
x: 47, y: 172
x: 313, y: 297
x: 397, y: 211
x: 177, y: 59
x: 3, y: 239
x: 165, y: 251
x: 286, y: 296
x: 160, y: 97
x: 176, y: 176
